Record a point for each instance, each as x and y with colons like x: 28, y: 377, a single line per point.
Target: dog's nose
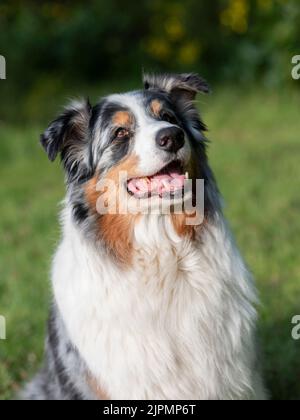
x: 170, y: 139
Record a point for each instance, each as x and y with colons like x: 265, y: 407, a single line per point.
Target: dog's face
x: 142, y: 133
x: 154, y: 137
x: 147, y: 133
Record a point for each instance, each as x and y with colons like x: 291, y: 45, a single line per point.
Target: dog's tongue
x: 157, y: 184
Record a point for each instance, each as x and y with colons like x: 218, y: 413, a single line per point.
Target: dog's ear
x: 68, y: 131
x: 182, y: 90
x: 68, y: 135
x: 182, y: 87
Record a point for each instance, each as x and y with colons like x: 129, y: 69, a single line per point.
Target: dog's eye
x: 166, y: 116
x: 122, y: 133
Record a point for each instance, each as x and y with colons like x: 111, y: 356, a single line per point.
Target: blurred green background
x: 61, y: 49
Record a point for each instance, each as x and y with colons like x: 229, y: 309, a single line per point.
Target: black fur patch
x: 69, y: 135
x: 96, y: 113
x: 64, y: 380
x: 80, y: 212
x: 168, y: 104
x: 119, y: 150
x: 52, y: 139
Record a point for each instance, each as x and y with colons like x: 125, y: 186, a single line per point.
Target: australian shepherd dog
x: 151, y: 298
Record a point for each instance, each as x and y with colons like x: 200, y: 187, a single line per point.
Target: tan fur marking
x: 91, y: 193
x: 180, y: 226
x: 128, y: 164
x: 156, y: 107
x: 115, y: 229
x: 122, y: 119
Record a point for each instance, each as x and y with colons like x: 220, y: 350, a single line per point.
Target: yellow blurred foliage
x: 174, y: 29
x: 235, y: 16
x: 189, y: 53
x: 159, y: 48
x: 170, y: 39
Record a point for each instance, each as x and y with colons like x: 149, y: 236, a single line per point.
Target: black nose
x: 170, y: 139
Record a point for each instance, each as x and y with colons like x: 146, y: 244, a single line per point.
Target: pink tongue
x: 158, y: 184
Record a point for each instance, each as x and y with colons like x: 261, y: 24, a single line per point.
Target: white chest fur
x: 177, y: 325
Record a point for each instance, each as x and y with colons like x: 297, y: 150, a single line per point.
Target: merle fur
x: 74, y: 136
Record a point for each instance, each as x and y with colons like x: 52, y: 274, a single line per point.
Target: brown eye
x: 122, y: 132
x: 168, y: 118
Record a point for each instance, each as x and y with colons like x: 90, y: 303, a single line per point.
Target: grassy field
x: 255, y: 153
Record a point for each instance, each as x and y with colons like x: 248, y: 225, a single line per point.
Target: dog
x: 146, y: 306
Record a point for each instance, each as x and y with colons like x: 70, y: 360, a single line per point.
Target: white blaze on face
x: 151, y: 158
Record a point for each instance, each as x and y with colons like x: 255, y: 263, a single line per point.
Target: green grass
x: 255, y: 153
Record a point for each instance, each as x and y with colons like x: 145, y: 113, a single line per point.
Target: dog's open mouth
x: 169, y: 181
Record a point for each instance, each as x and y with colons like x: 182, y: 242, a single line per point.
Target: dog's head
x: 154, y: 136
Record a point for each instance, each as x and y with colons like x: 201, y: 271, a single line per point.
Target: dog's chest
x: 149, y: 332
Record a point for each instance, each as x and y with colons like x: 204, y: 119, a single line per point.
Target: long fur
x: 178, y: 322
